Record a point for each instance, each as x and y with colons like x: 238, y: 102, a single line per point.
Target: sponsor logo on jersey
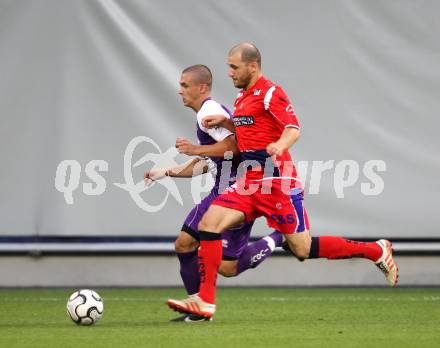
x: 257, y: 91
x: 243, y: 121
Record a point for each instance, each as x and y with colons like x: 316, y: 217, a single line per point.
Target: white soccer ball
x: 85, y: 307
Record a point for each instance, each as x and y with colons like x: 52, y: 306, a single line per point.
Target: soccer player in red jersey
x: 266, y: 127
x: 209, y: 156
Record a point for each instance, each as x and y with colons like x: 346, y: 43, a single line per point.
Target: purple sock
x: 189, y: 271
x: 257, y: 252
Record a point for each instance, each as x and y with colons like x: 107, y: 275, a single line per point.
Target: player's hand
x: 275, y: 149
x: 213, y: 121
x: 186, y: 147
x: 154, y: 174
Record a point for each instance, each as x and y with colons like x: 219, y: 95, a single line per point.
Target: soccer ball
x: 85, y: 307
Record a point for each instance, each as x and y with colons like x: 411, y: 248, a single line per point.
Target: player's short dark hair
x: 201, y: 73
x: 249, y: 52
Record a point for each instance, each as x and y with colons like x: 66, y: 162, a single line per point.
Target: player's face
x: 189, y: 90
x: 239, y: 71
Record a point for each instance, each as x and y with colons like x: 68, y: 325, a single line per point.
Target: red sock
x: 339, y: 248
x: 210, y: 257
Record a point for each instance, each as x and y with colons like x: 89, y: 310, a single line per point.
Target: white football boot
x: 387, y: 264
x: 193, y: 305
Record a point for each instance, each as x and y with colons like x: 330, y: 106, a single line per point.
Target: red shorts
x: 283, y: 212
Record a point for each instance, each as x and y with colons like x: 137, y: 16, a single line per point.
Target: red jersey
x: 261, y: 113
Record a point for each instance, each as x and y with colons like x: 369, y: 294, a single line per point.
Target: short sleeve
x: 209, y: 108
x: 279, y: 105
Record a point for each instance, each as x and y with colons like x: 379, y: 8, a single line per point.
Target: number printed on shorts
x: 284, y: 219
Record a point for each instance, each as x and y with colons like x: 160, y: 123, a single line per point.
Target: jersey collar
x: 257, y: 85
x: 203, y: 102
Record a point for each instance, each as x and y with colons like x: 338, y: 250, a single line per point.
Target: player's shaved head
x: 249, y: 52
x: 200, y: 73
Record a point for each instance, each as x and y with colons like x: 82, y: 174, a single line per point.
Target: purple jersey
x: 211, y: 136
x: 235, y: 239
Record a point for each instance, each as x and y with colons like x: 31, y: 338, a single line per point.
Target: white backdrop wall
x: 80, y: 80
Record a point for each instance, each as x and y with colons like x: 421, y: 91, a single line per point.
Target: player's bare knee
x: 181, y: 247
x: 300, y: 244
x: 227, y: 270
x: 301, y: 252
x: 185, y: 245
x: 226, y: 273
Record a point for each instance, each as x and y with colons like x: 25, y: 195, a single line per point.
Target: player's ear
x: 204, y: 88
x: 253, y: 66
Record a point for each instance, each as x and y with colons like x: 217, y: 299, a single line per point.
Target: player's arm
x: 218, y: 121
x: 215, y: 150
x: 193, y: 167
x: 288, y: 137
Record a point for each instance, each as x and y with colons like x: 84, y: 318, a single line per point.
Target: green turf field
x: 245, y: 318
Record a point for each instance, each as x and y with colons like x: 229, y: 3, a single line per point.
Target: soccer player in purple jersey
x: 215, y: 145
